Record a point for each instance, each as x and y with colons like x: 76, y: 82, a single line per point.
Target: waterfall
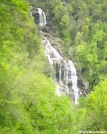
x: 66, y: 78
x: 73, y: 77
x: 42, y: 17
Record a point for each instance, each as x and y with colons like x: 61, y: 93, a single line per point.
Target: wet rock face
x: 36, y: 17
x: 83, y: 86
x: 33, y: 10
x: 39, y: 16
x: 63, y: 73
x: 35, y: 14
x: 64, y: 76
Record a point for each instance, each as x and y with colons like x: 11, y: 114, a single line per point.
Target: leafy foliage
x: 82, y: 27
x: 97, y: 108
x: 28, y: 103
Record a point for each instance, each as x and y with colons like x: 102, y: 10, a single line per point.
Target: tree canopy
x: 28, y: 103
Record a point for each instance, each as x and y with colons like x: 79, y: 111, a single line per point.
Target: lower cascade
x: 65, y: 77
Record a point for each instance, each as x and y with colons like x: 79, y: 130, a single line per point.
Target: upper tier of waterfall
x: 42, y: 17
x: 39, y: 16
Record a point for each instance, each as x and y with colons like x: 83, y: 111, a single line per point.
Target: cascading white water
x: 74, y: 80
x: 66, y: 78
x: 65, y: 70
x: 42, y: 17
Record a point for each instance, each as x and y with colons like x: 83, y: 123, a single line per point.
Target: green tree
x: 97, y: 107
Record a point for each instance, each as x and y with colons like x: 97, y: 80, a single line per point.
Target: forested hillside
x: 82, y: 26
x: 28, y: 103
